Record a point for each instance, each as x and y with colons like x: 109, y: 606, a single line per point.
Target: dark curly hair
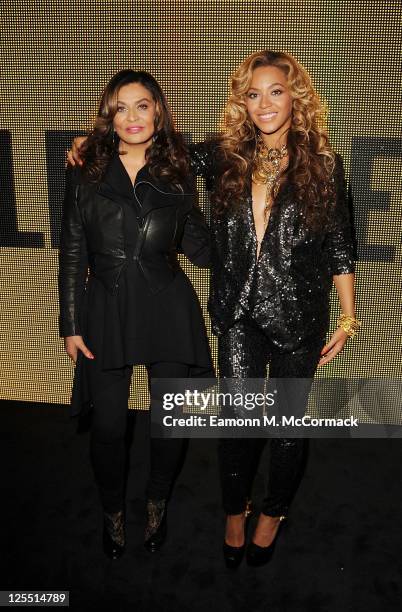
x: 167, y: 155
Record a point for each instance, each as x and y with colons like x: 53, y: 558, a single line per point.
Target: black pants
x: 244, y: 352
x: 110, y: 392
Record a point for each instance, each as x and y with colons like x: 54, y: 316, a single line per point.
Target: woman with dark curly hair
x: 281, y: 236
x: 128, y: 210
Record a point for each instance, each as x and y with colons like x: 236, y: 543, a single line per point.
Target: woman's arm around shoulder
x: 203, y: 160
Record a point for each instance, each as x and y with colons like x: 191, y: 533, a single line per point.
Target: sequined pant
x: 244, y: 352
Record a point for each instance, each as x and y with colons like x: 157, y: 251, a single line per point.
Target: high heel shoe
x: 260, y: 555
x: 113, y: 534
x: 233, y: 555
x: 156, y: 528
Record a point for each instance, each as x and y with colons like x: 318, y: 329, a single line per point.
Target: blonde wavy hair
x: 311, y: 158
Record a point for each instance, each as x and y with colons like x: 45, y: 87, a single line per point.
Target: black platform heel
x: 260, y: 555
x: 114, y: 540
x: 233, y: 555
x: 156, y: 528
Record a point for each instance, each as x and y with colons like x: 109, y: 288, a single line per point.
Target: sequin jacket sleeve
x: 339, y: 243
x: 202, y: 155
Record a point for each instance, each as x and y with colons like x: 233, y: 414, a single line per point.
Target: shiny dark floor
x: 339, y: 552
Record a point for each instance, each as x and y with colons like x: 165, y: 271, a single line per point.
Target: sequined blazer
x: 293, y: 274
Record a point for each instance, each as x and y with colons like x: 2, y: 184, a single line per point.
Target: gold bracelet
x: 349, y: 324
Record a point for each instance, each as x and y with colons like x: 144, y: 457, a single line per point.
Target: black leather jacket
x: 92, y: 234
x: 293, y: 275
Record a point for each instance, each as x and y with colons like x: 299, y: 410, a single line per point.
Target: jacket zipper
x: 143, y: 227
x: 140, y: 239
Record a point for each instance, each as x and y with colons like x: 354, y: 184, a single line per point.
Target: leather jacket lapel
x: 108, y: 192
x: 117, y: 177
x: 145, y: 195
x: 116, y: 184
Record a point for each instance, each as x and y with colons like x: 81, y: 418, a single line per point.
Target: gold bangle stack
x: 349, y: 324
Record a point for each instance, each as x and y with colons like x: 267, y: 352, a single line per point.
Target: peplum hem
x: 136, y: 327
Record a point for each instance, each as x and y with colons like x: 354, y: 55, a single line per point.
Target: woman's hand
x: 73, y: 155
x: 73, y: 344
x: 334, y: 346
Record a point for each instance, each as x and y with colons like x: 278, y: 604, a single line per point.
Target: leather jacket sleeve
x: 73, y: 259
x: 196, y: 241
x: 339, y: 242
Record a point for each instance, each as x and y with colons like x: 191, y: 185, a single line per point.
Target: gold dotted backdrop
x: 55, y: 60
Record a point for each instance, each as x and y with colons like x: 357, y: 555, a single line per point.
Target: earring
x: 115, y: 138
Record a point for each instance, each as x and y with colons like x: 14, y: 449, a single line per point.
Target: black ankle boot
x: 260, y: 555
x: 233, y: 555
x: 114, y: 540
x: 156, y: 527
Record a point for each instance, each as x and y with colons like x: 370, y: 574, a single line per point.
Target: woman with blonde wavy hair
x: 281, y: 235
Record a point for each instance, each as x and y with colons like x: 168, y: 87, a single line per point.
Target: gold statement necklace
x: 266, y: 171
